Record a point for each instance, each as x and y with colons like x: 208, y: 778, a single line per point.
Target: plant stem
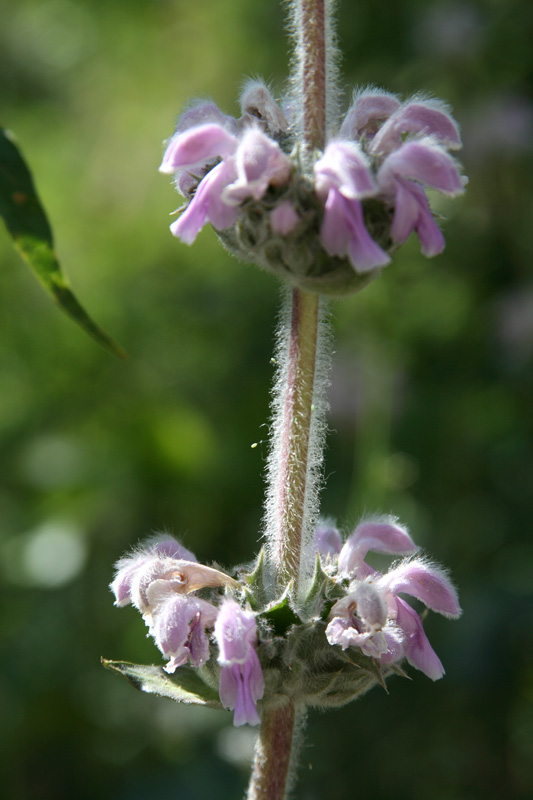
x: 312, y: 64
x: 273, y: 753
x: 291, y: 504
x: 295, y: 460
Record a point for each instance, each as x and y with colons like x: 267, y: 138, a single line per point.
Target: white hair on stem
x: 303, y: 53
x: 292, y: 496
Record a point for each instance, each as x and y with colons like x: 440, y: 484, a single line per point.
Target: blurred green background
x: 431, y: 402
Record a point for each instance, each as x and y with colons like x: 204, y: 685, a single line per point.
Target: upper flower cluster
x: 328, y: 222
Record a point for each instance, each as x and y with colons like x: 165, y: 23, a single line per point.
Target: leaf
x: 184, y: 686
x: 28, y: 225
x: 280, y: 613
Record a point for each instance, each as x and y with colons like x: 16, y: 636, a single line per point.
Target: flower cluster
x: 371, y: 616
x: 326, y: 221
x: 265, y: 647
x: 160, y: 581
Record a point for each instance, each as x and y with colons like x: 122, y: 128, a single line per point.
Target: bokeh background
x: 431, y: 401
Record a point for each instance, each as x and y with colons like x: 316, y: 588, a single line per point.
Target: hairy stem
x: 296, y: 456
x: 312, y: 42
x: 274, y: 752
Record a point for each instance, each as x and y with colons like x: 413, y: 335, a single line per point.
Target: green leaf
x: 280, y: 613
x: 28, y: 225
x: 184, y: 685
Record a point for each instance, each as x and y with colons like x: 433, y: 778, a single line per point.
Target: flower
x: 241, y: 677
x: 326, y: 221
x: 159, y: 580
x: 372, y: 616
x: 343, y: 179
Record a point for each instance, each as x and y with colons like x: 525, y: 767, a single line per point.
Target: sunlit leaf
x: 184, y: 685
x: 27, y: 223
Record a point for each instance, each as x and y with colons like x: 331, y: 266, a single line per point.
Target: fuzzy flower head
x: 327, y: 223
x: 160, y: 580
x: 372, y: 616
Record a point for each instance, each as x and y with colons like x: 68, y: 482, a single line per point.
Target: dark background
x: 431, y: 402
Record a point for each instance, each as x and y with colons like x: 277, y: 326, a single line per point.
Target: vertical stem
x: 273, y: 753
x: 312, y: 63
x: 296, y: 455
x: 291, y: 495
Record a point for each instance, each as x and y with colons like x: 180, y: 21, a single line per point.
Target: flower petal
x: 328, y: 540
x: 379, y: 536
x: 424, y: 162
x: 412, y: 213
x: 344, y: 166
x: 417, y: 648
x: 427, y: 583
x: 207, y: 205
x: 419, y: 118
x: 284, y: 218
x: 197, y: 145
x: 366, y: 114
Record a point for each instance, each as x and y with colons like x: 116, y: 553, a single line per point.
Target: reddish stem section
x: 273, y: 754
x: 296, y: 425
x: 312, y: 46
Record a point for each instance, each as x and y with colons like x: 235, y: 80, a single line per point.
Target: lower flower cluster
x: 352, y: 630
x: 326, y: 221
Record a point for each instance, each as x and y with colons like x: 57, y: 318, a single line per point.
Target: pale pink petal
x: 257, y: 102
x: 197, y: 146
x: 424, y: 162
x: 260, y: 162
x: 207, y: 205
x: 345, y: 167
x: 335, y: 231
x: 412, y: 213
x: 418, y: 118
x: 328, y: 540
x: 427, y: 583
x: 380, y: 536
x: 417, y: 648
x: 284, y: 218
x: 367, y: 113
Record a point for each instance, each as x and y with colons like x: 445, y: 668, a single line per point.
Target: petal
x: 260, y: 162
x: 427, y: 583
x: 367, y: 112
x: 258, y: 103
x: 126, y: 570
x: 203, y: 112
x: 417, y: 648
x: 328, y: 540
x: 424, y: 162
x: 170, y: 628
x: 420, y: 118
x: 344, y: 166
x: 343, y: 233
x: 207, y: 205
x: 412, y: 212
x: 379, y: 536
x: 334, y: 230
x: 196, y: 146
x: 284, y: 218
x: 235, y: 633
x: 364, y: 253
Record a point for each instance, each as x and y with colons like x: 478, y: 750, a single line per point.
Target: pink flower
x: 241, y: 677
x: 372, y: 616
x: 250, y: 163
x: 343, y: 178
